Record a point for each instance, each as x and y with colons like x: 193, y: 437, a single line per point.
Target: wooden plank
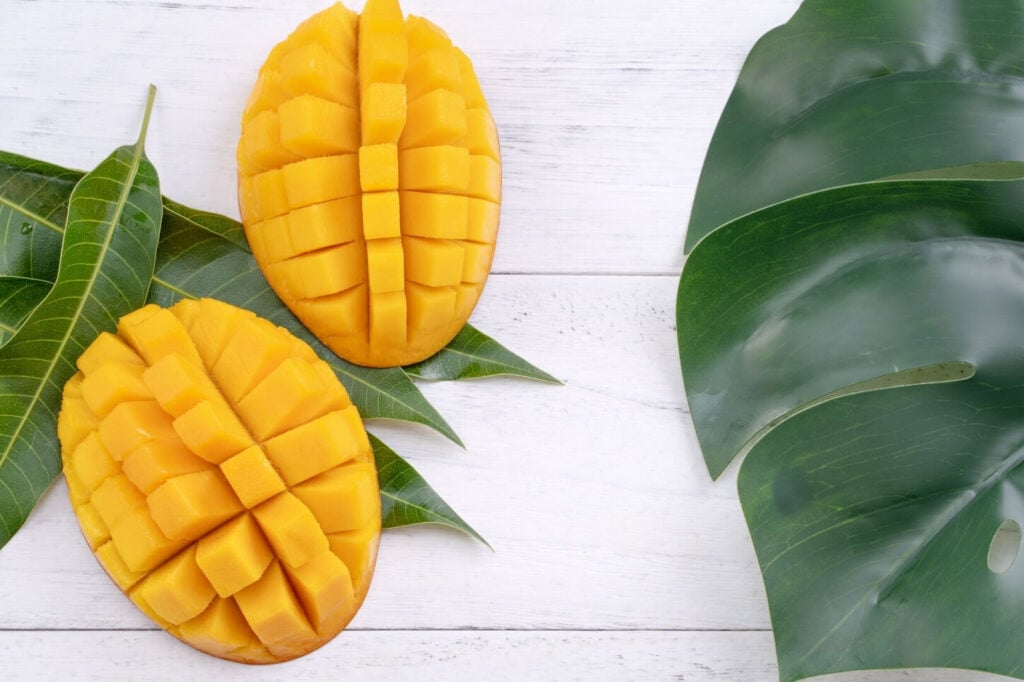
x: 415, y: 656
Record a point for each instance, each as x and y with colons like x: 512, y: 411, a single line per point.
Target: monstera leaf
x: 851, y: 318
x: 849, y: 92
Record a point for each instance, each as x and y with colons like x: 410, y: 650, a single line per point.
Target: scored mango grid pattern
x: 223, y: 479
x: 370, y: 182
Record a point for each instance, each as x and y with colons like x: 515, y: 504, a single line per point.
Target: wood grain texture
x: 355, y: 656
x: 615, y: 556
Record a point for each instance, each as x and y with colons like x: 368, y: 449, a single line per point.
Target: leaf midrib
x: 104, y: 249
x: 510, y: 368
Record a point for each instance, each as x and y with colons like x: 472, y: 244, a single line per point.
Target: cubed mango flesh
x: 209, y: 455
x: 384, y: 110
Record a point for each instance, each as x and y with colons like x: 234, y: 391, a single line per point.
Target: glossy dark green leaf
x: 472, y: 355
x: 33, y: 207
x: 818, y: 294
x: 872, y: 510
x: 848, y: 92
x: 851, y: 313
x: 407, y: 499
x: 873, y: 515
x: 19, y: 296
x: 106, y: 263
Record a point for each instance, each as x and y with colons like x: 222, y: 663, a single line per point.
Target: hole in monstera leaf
x: 1005, y: 547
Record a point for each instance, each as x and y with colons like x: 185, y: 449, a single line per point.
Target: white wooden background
x: 615, y: 556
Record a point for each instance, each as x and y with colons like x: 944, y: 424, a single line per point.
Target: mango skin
x: 370, y: 182
x: 223, y: 479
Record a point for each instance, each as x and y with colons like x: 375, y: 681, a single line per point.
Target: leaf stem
x: 150, y: 98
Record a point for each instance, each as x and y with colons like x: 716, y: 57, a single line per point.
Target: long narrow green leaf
x: 407, y: 499
x: 19, y: 296
x: 33, y: 208
x: 106, y: 263
x: 473, y: 355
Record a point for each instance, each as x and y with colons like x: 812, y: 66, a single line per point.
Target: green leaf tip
x: 408, y: 500
x: 150, y: 99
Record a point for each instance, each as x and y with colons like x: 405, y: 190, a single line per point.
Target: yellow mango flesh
x: 223, y: 479
x: 370, y: 182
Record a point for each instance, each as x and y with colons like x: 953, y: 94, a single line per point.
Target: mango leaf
x: 33, y: 207
x: 19, y: 296
x: 407, y: 499
x: 472, y: 355
x: 106, y: 262
x: 847, y: 92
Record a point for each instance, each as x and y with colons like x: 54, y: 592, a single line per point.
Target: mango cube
x: 212, y: 431
x: 177, y: 591
x: 359, y: 555
x: 383, y: 112
x: 293, y: 393
x: 356, y: 482
x: 482, y: 223
x: 323, y: 586
x: 111, y: 384
x: 386, y: 266
x: 115, y: 566
x: 291, y: 529
x: 320, y: 179
x: 234, y: 556
x: 190, y: 505
x: 323, y: 225
x: 434, y: 169
x: 154, y: 462
x: 378, y: 167
x: 430, y: 307
x: 436, y: 118
x: 91, y: 461
x: 116, y: 498
x: 272, y: 609
x: 433, y: 262
x: 317, y: 445
x: 434, y: 69
x: 131, y: 423
x: 437, y: 216
x: 381, y: 215
x: 424, y: 35
x: 484, y: 178
x: 95, y: 531
x: 311, y: 69
x: 179, y: 384
x: 312, y: 126
x: 220, y: 629
x: 106, y: 348
x: 252, y: 476
x: 388, y: 317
